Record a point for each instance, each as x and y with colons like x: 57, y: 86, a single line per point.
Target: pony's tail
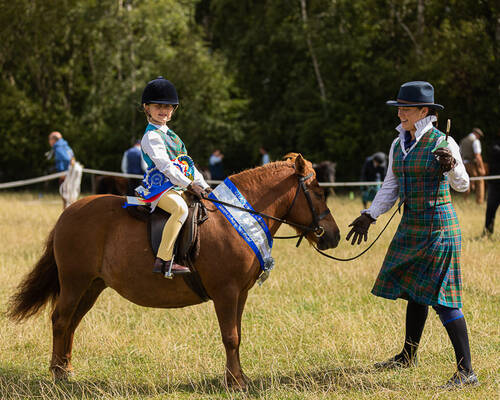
x: 38, y: 287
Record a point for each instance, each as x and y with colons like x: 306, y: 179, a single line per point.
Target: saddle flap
x: 187, y: 245
x: 156, y: 223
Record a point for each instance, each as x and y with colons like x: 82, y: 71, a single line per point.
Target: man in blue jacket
x: 62, y: 152
x: 133, y: 163
x: 63, y: 157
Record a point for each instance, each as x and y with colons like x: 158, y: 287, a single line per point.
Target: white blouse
x: 152, y: 144
x: 389, y: 192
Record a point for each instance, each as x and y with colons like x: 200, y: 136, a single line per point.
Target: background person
x: 422, y: 264
x: 133, y: 163
x: 62, y: 153
x: 216, y: 166
x: 264, y: 156
x: 374, y: 170
x: 470, y: 149
x: 493, y: 186
x: 63, y: 158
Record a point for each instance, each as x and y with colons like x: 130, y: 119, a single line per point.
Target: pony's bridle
x: 315, y: 227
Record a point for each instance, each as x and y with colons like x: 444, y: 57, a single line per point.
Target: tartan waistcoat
x: 173, y: 144
x: 418, y: 174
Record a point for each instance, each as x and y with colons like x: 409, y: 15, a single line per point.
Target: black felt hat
x: 415, y: 94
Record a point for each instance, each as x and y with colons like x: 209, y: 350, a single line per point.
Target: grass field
x: 312, y: 331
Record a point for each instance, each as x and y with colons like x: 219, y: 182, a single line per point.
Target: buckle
x: 319, y: 231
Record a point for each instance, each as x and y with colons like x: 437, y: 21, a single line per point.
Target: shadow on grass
x: 323, y: 380
x: 17, y: 383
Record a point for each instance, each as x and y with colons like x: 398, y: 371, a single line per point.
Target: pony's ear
x: 290, y: 157
x: 300, y: 165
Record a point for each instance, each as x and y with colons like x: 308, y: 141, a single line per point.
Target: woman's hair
x: 432, y: 111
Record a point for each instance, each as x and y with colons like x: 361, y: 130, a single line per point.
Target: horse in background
x: 116, y: 185
x: 97, y: 244
x: 324, y: 170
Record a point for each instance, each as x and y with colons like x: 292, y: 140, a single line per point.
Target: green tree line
x: 290, y: 75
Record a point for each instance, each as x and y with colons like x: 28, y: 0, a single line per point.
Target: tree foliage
x: 80, y: 66
x: 364, y: 50
x: 302, y: 75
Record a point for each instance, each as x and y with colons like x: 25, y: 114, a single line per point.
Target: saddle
x: 187, y: 245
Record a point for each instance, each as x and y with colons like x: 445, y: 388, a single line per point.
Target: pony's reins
x: 314, y: 227
x: 371, y: 244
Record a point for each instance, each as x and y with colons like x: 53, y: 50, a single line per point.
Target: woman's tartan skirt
x: 421, y: 264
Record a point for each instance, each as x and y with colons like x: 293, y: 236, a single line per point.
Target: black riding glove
x: 197, y: 190
x: 445, y: 159
x: 360, y: 228
x: 208, y: 190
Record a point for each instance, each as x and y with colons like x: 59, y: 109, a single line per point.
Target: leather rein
x: 315, y: 227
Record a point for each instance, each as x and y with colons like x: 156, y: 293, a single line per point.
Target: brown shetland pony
x: 96, y: 244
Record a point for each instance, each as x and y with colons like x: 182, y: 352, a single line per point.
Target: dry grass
x: 311, y: 332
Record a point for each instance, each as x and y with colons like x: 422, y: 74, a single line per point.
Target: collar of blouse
x: 422, y: 125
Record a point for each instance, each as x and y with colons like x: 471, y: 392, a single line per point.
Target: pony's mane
x: 252, y: 174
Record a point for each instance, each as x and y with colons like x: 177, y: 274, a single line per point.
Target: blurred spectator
x: 265, y: 157
x: 216, y: 166
x: 62, y: 153
x: 493, y: 186
x: 470, y: 149
x: 374, y: 170
x: 63, y: 157
x: 133, y: 163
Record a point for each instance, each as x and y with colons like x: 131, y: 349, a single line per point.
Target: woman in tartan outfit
x: 422, y: 264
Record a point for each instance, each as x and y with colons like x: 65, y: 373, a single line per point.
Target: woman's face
x: 160, y: 113
x: 410, y: 115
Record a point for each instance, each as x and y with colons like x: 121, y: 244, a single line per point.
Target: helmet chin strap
x: 151, y: 119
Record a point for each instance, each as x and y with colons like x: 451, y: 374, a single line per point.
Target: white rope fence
x: 26, y: 182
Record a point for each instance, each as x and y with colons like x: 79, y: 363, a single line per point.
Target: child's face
x: 160, y: 113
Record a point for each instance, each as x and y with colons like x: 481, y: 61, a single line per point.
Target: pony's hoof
x: 239, y: 384
x: 61, y: 374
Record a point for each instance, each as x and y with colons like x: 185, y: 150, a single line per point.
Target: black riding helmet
x: 160, y: 91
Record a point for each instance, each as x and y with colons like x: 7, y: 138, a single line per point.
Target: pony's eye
x: 318, y: 194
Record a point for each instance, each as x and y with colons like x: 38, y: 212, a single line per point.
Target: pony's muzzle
x: 329, y: 239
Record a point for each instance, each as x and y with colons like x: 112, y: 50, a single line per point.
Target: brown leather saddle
x: 187, y: 246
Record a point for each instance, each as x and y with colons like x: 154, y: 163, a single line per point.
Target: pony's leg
x: 227, y: 313
x: 241, y: 305
x: 71, y: 306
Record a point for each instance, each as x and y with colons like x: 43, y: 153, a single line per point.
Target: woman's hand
x: 360, y: 228
x: 445, y: 159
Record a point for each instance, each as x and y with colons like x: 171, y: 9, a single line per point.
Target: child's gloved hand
x: 197, y: 190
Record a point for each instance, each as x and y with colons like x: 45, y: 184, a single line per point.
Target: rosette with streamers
x: 185, y: 164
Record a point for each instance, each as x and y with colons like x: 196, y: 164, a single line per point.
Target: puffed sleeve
x: 199, y: 180
x: 458, y: 177
x: 388, y: 194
